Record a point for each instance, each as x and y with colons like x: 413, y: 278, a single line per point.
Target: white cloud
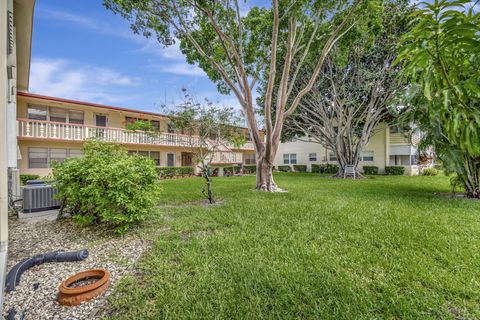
x: 63, y: 78
x: 181, y: 68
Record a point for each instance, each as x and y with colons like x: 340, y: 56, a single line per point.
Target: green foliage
x: 328, y: 168
x: 233, y: 170
x: 440, y: 59
x: 107, y: 186
x: 394, y: 170
x: 249, y: 169
x: 140, y: 125
x: 284, y: 168
x: 25, y: 177
x: 370, y: 170
x: 299, y: 168
x: 429, y: 172
x: 315, y: 168
x: 172, y: 172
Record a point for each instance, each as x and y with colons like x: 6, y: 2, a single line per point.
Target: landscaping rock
x: 116, y: 254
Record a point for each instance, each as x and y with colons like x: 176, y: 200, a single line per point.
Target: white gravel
x: 28, y: 238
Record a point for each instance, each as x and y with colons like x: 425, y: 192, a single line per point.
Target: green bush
x: 284, y: 168
x: 370, y: 170
x: 394, y: 170
x: 429, y: 172
x: 25, y: 177
x: 107, y: 186
x: 172, y: 172
x: 328, y: 168
x: 315, y: 168
x: 299, y: 168
x: 249, y: 169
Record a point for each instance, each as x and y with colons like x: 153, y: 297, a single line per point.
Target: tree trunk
x: 471, y: 179
x: 207, y: 189
x: 342, y: 164
x: 265, y: 180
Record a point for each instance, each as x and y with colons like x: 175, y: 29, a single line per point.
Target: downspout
x: 4, y: 90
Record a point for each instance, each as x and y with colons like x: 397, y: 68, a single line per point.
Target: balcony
x: 227, y: 158
x: 59, y: 131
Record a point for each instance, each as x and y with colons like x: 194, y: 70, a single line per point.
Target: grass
x: 381, y: 248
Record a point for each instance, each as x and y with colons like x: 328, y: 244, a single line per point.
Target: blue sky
x: 82, y: 51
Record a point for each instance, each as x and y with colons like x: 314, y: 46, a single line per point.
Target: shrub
x: 166, y: 172
x: 284, y: 168
x: 250, y: 169
x: 107, y: 186
x: 172, y: 172
x: 429, y: 172
x: 370, y: 170
x: 315, y: 168
x: 299, y: 168
x: 328, y: 168
x: 394, y: 170
x: 25, y: 177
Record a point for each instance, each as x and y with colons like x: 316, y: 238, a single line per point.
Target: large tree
x: 237, y: 50
x: 353, y: 94
x: 441, y: 58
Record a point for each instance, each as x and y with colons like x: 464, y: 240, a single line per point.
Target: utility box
x: 38, y: 196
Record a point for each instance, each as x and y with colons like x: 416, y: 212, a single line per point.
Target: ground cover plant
x: 389, y: 247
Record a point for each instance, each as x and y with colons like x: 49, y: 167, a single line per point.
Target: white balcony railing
x: 227, y: 157
x: 37, y: 129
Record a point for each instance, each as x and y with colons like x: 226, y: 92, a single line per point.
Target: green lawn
x: 381, y: 248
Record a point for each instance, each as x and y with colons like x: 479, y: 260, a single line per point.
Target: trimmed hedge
x: 284, y: 168
x: 172, y: 172
x: 429, y: 172
x: 315, y: 168
x: 232, y: 170
x: 250, y: 169
x: 328, y: 168
x: 370, y: 170
x: 394, y: 170
x: 25, y: 177
x: 300, y: 168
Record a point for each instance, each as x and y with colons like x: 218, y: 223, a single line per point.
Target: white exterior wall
x: 380, y: 144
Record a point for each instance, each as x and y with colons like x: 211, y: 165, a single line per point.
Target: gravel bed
x: 30, y: 237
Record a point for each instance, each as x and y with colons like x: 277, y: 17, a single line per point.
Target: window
x: 367, y: 156
x: 75, y: 153
x: 250, y: 158
x: 155, y: 123
x: 396, y: 129
x: 312, y: 157
x: 170, y: 159
x: 58, y: 115
x: 58, y: 155
x: 155, y: 156
x: 37, y: 112
x: 75, y: 117
x: 38, y: 157
x: 143, y: 153
x: 289, y: 158
x: 332, y: 156
x: 54, y: 114
x: 42, y: 157
x: 131, y: 152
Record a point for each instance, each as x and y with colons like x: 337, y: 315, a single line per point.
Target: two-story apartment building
x: 389, y: 146
x: 50, y: 128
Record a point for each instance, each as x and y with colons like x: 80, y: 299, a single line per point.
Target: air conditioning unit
x: 39, y: 197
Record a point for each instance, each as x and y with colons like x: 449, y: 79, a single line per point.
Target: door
x: 187, y: 159
x: 170, y: 159
x: 100, y: 121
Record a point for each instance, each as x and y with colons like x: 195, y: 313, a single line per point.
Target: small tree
x: 269, y: 45
x: 440, y: 57
x: 107, y: 186
x: 344, y: 108
x: 211, y: 131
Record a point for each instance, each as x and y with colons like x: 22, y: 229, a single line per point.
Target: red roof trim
x: 88, y: 104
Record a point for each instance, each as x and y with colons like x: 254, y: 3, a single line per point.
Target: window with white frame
x: 44, y: 113
x: 42, y: 157
x: 289, y: 158
x: 312, y: 157
x: 367, y: 156
x: 332, y: 156
x: 249, y: 158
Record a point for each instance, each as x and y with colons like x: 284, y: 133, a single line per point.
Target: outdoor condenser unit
x: 39, y: 197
